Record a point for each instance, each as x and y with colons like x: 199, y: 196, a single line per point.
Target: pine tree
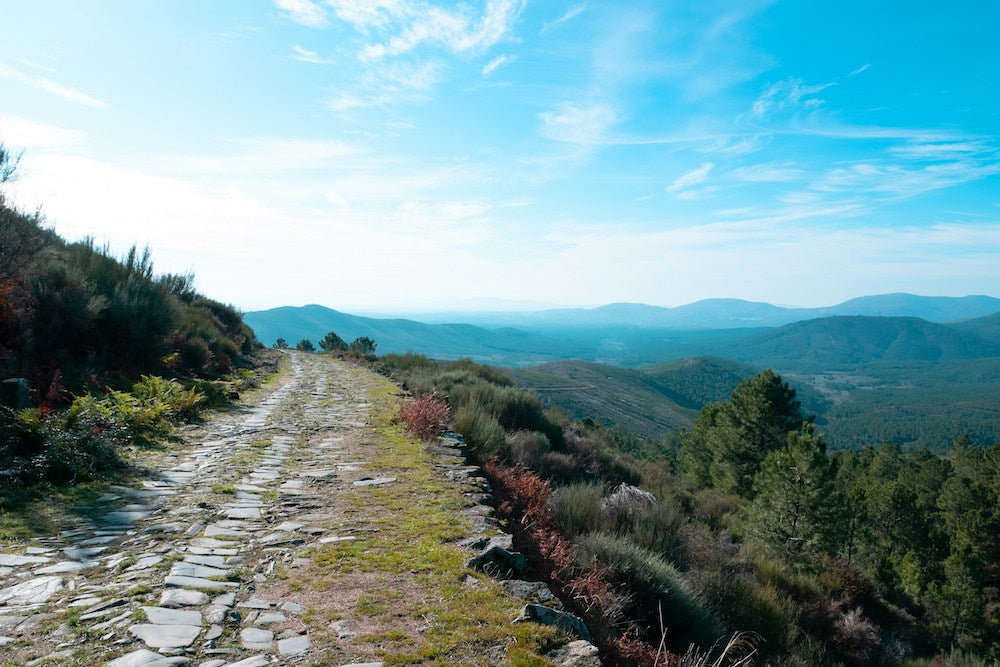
x: 756, y: 420
x: 795, y: 511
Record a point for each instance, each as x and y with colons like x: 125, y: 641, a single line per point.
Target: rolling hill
x: 613, y: 396
x: 838, y: 343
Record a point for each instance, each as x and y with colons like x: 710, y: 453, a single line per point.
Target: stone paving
x: 166, y: 573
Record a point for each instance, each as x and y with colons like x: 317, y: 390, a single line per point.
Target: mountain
x: 694, y: 382
x: 843, y: 342
x: 987, y: 327
x: 441, y: 341
x: 726, y: 313
x: 930, y: 308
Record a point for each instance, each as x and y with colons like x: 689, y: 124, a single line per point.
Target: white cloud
x: 860, y: 69
x: 938, y: 150
x: 768, y: 172
x: 52, y: 87
x: 304, y: 12
x: 304, y: 55
x: 570, y: 14
x: 787, y: 94
x: 403, y: 28
x: 578, y: 125
x: 495, y: 64
x: 901, y: 181
x: 691, y: 178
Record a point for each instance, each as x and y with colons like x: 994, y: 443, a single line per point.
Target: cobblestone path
x: 166, y: 572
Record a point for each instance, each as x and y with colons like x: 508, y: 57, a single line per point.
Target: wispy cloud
x: 388, y: 84
x: 495, y: 64
x: 569, y: 15
x: 304, y: 55
x: 691, y: 178
x: 789, y: 93
x: 903, y: 181
x: 403, y: 27
x: 304, y: 12
x: 578, y: 124
x: 769, y: 172
x: 52, y: 87
x: 860, y: 69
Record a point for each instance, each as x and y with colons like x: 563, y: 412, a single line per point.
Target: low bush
x: 656, y: 590
x: 526, y: 448
x: 427, y: 416
x: 483, y: 434
x: 576, y: 508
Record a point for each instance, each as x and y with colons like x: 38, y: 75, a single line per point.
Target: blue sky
x: 382, y: 155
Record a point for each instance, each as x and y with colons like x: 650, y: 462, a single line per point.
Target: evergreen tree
x: 305, y: 345
x: 363, y: 345
x: 756, y: 420
x: 794, y: 512
x: 331, y: 342
x: 281, y: 344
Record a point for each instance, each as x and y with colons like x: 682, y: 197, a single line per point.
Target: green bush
x: 576, y: 508
x: 483, y: 434
x: 661, y: 531
x: 490, y: 374
x: 655, y: 587
x: 526, y: 448
x: 745, y: 607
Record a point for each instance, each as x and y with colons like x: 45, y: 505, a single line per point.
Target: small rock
x: 292, y: 607
x: 32, y: 591
x: 500, y: 563
x: 575, y: 654
x: 547, y: 616
x: 270, y: 619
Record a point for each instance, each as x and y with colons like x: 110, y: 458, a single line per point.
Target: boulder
x: 575, y: 654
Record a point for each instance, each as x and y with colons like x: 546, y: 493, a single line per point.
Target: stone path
x: 166, y: 573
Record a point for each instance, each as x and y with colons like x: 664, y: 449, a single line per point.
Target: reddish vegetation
x: 586, y: 590
x: 426, y: 416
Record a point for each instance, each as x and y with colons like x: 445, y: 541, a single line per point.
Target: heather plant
x: 427, y: 416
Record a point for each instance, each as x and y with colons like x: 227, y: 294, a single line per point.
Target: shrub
x: 488, y: 373
x: 305, y: 345
x: 331, y: 342
x: 654, y: 586
x: 576, y: 509
x: 526, y: 448
x: 661, y: 530
x: 483, y: 434
x: 427, y: 416
x: 743, y: 606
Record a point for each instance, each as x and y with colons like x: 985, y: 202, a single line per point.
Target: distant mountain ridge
x: 727, y: 313
x: 636, y: 334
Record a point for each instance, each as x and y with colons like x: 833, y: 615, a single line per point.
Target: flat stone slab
x: 183, y: 569
x: 336, y: 538
x: 273, y: 618
x: 33, y: 591
x: 15, y: 560
x: 144, y: 562
x: 254, y: 603
x: 256, y: 639
x: 212, y: 561
x: 182, y: 597
x: 164, y: 616
x: 243, y: 513
x: 293, y: 645
x: 288, y: 526
x: 66, y: 566
x: 217, y: 531
x: 139, y: 658
x: 166, y: 636
x: 254, y: 661
x: 374, y: 481
x: 197, y: 582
